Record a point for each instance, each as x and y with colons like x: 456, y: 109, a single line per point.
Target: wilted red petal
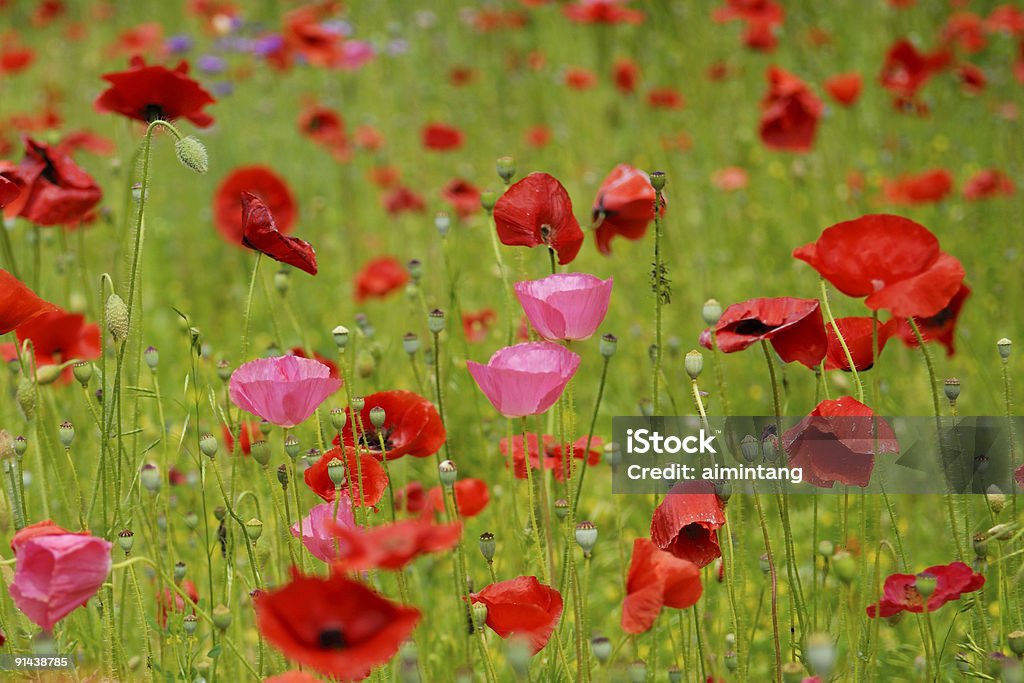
x: 686, y: 522
x: 259, y: 232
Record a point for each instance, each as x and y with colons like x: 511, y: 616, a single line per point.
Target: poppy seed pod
x: 282, y: 281
x: 925, y: 584
x: 658, y: 180
x: 612, y: 454
x: 340, y: 334
x: 479, y: 615
x: 358, y: 403
x: 190, y: 624
x: 561, y: 508
x: 1016, y: 642
x: 336, y: 471
x: 254, y: 529
x: 415, y: 268
x: 601, y: 648
x: 845, y: 566
x: 282, y: 475
x: 488, y: 198
x: 192, y: 154
x: 339, y: 418
x: 506, y: 168
x: 20, y: 446
x: 377, y: 416
x: 191, y: 520
x: 435, y: 321
x: 66, y: 432
x: 411, y: 343
x: 149, y: 475
x: 750, y: 448
x: 151, y: 356
x: 448, y: 473
x: 1005, y: 346
x: 221, y: 617
x: 952, y: 388
x: 675, y: 674
x: 442, y: 223
x: 792, y: 672
x: 694, y: 364
x: 208, y: 445
x: 223, y: 370
x: 821, y: 654
x: 826, y: 548
x: 638, y: 671
x: 82, y: 371
x: 126, y: 539
x: 260, y: 451
x: 116, y: 315
x: 711, y: 311
x: 291, y: 446
x: 488, y: 546
x: 179, y: 571
x: 608, y: 345
x: 586, y: 536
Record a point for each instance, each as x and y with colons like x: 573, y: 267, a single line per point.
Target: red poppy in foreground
x: 837, y: 442
x: 391, y: 546
x: 537, y: 210
x: 947, y: 583
x: 859, y: 335
x: 918, y: 188
x: 57, y: 337
x: 363, y: 490
x: 844, y: 88
x: 893, y: 261
x: 334, y: 625
x: 624, y: 206
x: 789, y: 113
x: 794, y: 327
x: 686, y: 523
x: 265, y: 184
x: 441, y: 137
x: 147, y: 93
x: 19, y: 303
x: 657, y: 579
x: 522, y: 607
x: 412, y: 426
x: 939, y: 327
x: 471, y: 497
x: 380, y: 277
x: 53, y: 189
x: 602, y: 12
x: 988, y: 183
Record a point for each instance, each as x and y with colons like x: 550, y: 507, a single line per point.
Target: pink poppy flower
x: 56, y: 571
x: 525, y: 379
x: 565, y: 305
x: 317, y: 526
x: 284, y: 390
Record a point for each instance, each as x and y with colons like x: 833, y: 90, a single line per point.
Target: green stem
x: 842, y: 342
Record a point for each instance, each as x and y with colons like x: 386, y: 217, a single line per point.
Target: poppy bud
x: 821, y: 654
x: 586, y: 536
x: 488, y: 198
x: 48, y: 374
x: 693, y: 363
x: 282, y: 281
x: 652, y: 353
x: 952, y: 388
x: 506, y: 168
x: 980, y: 542
x: 192, y: 154
x: 711, y: 311
x: 996, y: 499
x: 675, y: 674
x: 448, y: 473
x: 826, y: 548
x: 845, y: 566
x: 415, y: 268
x: 365, y: 364
x: 312, y: 455
x: 191, y: 520
x: 66, y: 432
x: 208, y: 445
x: 723, y: 489
x: 223, y: 370
x: 638, y: 671
x: 792, y: 672
x: 658, y: 180
x: 20, y: 445
x: 1005, y: 346
x: 1001, y: 532
x: 612, y: 454
x: 488, y: 546
x: 116, y: 314
x: 260, y: 451
x: 411, y: 343
x: 151, y: 356
x: 601, y: 648
x: 358, y: 403
x: 561, y: 508
x: 442, y: 223
x: 149, y: 475
x: 189, y: 624
x: 179, y: 571
x: 1016, y: 642
x: 291, y: 446
x: 336, y: 471
x: 608, y: 345
x: 126, y: 539
x: 731, y: 661
x: 254, y: 529
x: 26, y: 394
x: 82, y: 371
x: 221, y: 617
x: 377, y: 417
x: 479, y: 615
x: 340, y: 334
x: 750, y: 448
x: 435, y: 321
x: 282, y: 475
x: 338, y: 419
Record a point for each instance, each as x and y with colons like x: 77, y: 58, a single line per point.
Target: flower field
x: 521, y: 340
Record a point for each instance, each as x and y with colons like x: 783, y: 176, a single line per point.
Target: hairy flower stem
x: 535, y: 529
x: 773, y: 577
x: 506, y: 287
x: 590, y: 435
x: 659, y: 300
x: 842, y: 342
x: 248, y: 306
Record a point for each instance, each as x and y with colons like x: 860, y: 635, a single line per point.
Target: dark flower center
x: 332, y: 639
x: 940, y: 318
x: 370, y: 439
x: 49, y: 171
x: 754, y: 328
x: 545, y: 234
x: 153, y: 112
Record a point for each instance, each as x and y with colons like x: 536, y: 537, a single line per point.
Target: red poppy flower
x: 757, y: 11
x: 477, y: 324
x: 602, y: 12
x: 292, y: 677
x: 305, y: 34
x: 170, y: 601
x: 471, y: 497
x: 144, y: 39
x: 147, y: 93
x: 401, y: 200
x: 844, y: 88
x: 988, y: 183
x: 260, y: 233
x: 837, y: 442
x: 972, y: 78
x: 761, y: 36
x: 558, y: 456
x: 939, y: 327
x: 730, y: 179
x: 657, y: 579
x: 250, y: 431
x: 411, y: 498
x: 441, y: 137
x: 385, y: 176
x: 88, y: 141
x: 665, y: 98
x: 901, y: 594
x: 374, y: 479
x: 325, y: 127
x: 368, y: 138
x: 578, y: 78
x: 625, y: 74
x: 537, y: 210
x: 966, y: 31
x: 391, y: 546
x: 334, y: 625
x: 906, y: 69
x: 624, y: 206
x: 19, y: 304
x: 460, y: 75
x: 412, y: 426
x: 302, y: 353
x: 265, y: 184
x: 54, y: 190
x: 552, y: 457
x: 789, y: 113
x: 522, y: 607
x: 58, y: 336
x: 380, y: 277
x: 14, y: 56
x: 1006, y: 19
x: 921, y: 188
x: 686, y: 522
x: 858, y: 333
x: 893, y: 261
x: 463, y: 196
x: 538, y: 136
x: 794, y: 327
x: 9, y: 189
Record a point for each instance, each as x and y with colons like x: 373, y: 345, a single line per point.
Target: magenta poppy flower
x: 56, y: 571
x: 525, y: 379
x: 565, y: 305
x: 317, y: 526
x: 284, y: 390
